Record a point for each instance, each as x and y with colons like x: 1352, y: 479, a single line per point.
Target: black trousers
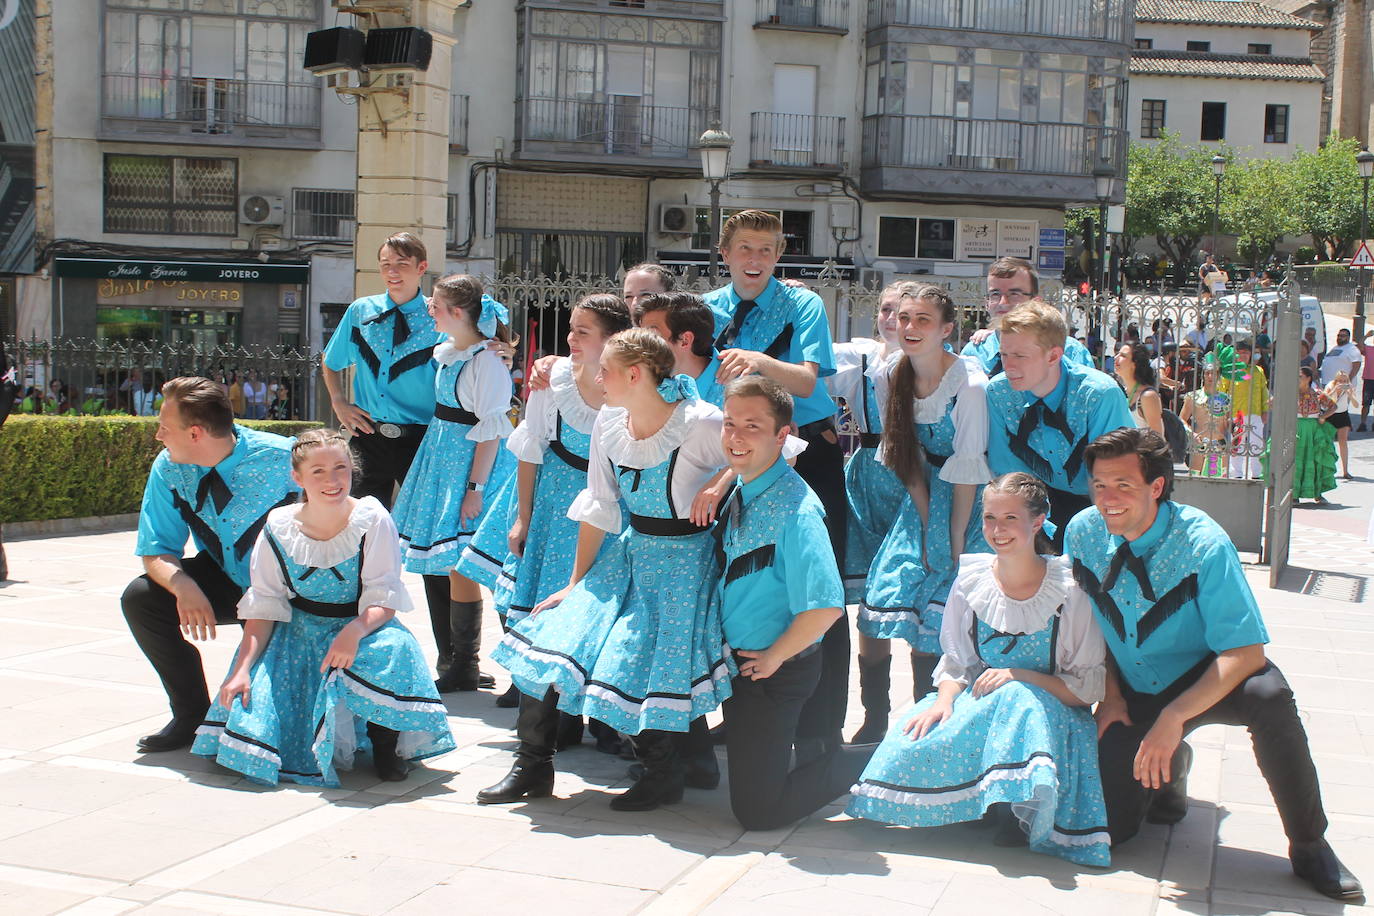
x: 151, y: 611
x: 822, y: 467
x: 1063, y: 507
x: 385, y: 463
x: 761, y: 726
x: 1264, y: 704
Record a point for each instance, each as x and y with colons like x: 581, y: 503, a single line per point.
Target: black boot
x: 569, y: 731
x: 388, y: 764
x: 608, y: 740
x: 510, y: 699
x: 465, y: 635
x: 1316, y: 863
x: 661, y: 783
x: 875, y: 687
x: 1009, y: 833
x: 701, y: 769
x: 1170, y: 804
x: 437, y: 600
x: 532, y: 774
x: 922, y: 670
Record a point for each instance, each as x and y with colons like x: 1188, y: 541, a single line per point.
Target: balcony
x: 1100, y: 20
x: 959, y: 158
x: 208, y: 110
x: 458, y: 124
x: 631, y: 133
x: 792, y: 142
x: 828, y: 16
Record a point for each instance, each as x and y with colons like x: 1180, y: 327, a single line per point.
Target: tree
x: 1327, y: 196
x: 1169, y: 195
x: 1258, y: 201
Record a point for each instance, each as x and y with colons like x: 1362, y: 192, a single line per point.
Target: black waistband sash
x: 455, y: 415
x: 323, y: 608
x: 665, y: 527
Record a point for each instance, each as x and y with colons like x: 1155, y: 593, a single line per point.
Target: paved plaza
x: 88, y: 825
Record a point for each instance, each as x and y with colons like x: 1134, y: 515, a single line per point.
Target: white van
x: 1312, y: 314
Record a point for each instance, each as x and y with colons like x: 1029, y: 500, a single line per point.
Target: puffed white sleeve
x: 959, y: 661
x: 848, y: 377
x: 703, y: 452
x: 381, y: 572
x: 485, y: 389
x: 531, y: 438
x: 1081, y: 654
x: 267, y: 595
x: 969, y: 463
x: 599, y: 503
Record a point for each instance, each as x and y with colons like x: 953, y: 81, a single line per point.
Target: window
x: 1275, y: 123
x: 1199, y: 46
x: 322, y: 215
x: 1213, y: 121
x: 1259, y: 49
x: 171, y: 195
x: 451, y: 233
x: 796, y: 228
x: 908, y: 237
x: 1151, y: 118
x: 1144, y: 44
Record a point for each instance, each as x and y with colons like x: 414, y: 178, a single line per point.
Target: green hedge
x: 74, y: 467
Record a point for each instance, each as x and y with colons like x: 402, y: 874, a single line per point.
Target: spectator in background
x: 280, y: 408
x: 1307, y: 359
x: 58, y: 400
x: 144, y: 398
x: 254, y: 396
x: 1310, y: 335
x: 1137, y: 376
x: 1367, y: 371
x: 1198, y: 338
x: 1344, y: 359
x: 235, y: 388
x: 128, y: 387
x: 1249, y: 391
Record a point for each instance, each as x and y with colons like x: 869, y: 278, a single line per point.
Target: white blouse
x: 965, y: 380
x: 850, y: 374
x: 540, y: 424
x: 268, y: 597
x: 484, y: 388
x: 694, y: 426
x: 1080, y: 652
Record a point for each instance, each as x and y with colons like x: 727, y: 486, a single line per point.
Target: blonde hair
x: 752, y: 220
x: 1039, y: 319
x: 640, y: 347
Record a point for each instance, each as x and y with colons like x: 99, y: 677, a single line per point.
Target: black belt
x: 870, y: 440
x: 323, y: 608
x: 934, y: 458
x: 809, y: 650
x: 562, y: 451
x: 815, y: 428
x: 398, y: 430
x: 455, y: 415
x: 665, y: 527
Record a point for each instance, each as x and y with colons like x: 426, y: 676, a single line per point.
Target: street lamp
x: 1365, y: 160
x: 714, y: 146
x: 1103, y: 176
x: 1218, y: 169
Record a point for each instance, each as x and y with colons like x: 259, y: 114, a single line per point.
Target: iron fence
x: 796, y: 141
x: 1095, y: 19
x: 946, y: 142
x: 211, y: 105
x: 621, y: 126
x: 85, y: 377
x: 803, y: 14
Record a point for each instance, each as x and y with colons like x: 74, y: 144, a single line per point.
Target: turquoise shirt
x: 989, y: 352
x: 789, y: 324
x: 1185, y: 600
x: 394, y: 381
x: 778, y: 559
x: 710, y: 390
x: 1047, y: 437
x: 221, y: 508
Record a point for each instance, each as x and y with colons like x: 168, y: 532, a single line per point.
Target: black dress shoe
x: 653, y: 790
x: 525, y: 780
x: 1317, y: 864
x: 175, y: 735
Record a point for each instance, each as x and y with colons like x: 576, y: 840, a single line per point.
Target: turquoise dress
x: 1019, y: 744
x: 472, y: 403
x: 638, y: 642
x: 302, y: 725
x: 905, y: 596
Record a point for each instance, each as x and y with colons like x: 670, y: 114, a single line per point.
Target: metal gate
x: 1283, y: 429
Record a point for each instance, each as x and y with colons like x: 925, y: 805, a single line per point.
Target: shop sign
x: 1016, y: 238
x: 977, y: 239
x: 168, y: 294
x: 193, y: 271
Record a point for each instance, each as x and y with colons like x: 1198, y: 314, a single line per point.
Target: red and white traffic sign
x: 1363, y: 256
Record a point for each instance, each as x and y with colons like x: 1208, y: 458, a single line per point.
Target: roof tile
x: 1231, y: 66
x: 1219, y: 12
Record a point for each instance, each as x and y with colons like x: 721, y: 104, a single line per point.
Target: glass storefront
x: 207, y: 328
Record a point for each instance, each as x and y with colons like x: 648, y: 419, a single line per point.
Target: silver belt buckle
x: 390, y: 430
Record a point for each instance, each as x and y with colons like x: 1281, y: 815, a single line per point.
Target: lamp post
x: 714, y: 146
x: 1218, y: 169
x: 1365, y: 160
x: 1103, y: 176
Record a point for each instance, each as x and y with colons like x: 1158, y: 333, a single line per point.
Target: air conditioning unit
x: 261, y: 210
x: 676, y: 220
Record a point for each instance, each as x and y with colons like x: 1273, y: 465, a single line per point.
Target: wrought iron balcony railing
x: 209, y: 105
x: 622, y: 125
x: 797, y: 141
x: 820, y: 15
x: 938, y: 142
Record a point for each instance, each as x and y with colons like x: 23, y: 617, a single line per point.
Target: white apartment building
x: 903, y: 137
x: 1225, y: 70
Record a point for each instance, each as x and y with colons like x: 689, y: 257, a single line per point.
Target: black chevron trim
x: 1075, y: 461
x: 1029, y: 456
x: 366, y: 353
x: 250, y: 536
x: 408, y: 362
x: 209, y: 541
x: 1089, y: 583
x: 1167, y: 606
x: 780, y: 343
x: 760, y: 558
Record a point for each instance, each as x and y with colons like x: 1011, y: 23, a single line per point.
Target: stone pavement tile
x: 483, y: 890
x: 127, y: 667
x: 1252, y: 855
x: 1190, y: 848
x: 67, y: 790
x: 25, y: 637
x: 17, y: 689
x: 1324, y: 692
x: 831, y: 881
x: 104, y: 847
x: 73, y: 608
x: 415, y: 831
x: 17, y: 819
x: 979, y: 894
x: 26, y: 899
x: 190, y: 903
x: 33, y: 730
x: 566, y: 848
x: 99, y: 704
x: 304, y: 874
x: 242, y: 809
